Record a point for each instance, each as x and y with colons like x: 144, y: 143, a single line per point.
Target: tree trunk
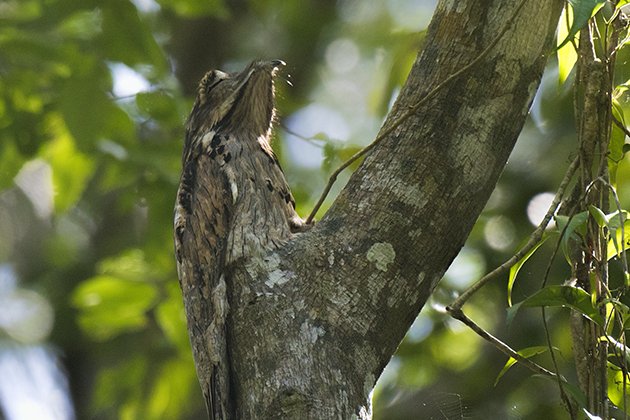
x: 312, y: 326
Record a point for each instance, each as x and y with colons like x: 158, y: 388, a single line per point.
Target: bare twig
x: 500, y: 345
x: 411, y: 111
x: 554, y: 361
x: 621, y: 126
x: 312, y: 140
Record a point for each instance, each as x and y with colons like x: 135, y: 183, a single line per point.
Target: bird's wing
x: 202, y: 218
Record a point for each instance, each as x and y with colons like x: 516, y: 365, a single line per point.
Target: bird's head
x: 239, y: 102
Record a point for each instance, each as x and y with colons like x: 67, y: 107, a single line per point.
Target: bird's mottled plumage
x: 233, y: 202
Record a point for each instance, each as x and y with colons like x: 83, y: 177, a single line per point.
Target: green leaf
x: 71, y: 169
x: 130, y: 264
x: 22, y: 11
x: 86, y: 92
x: 122, y: 386
x: 172, y: 390
x: 615, y: 220
x: 583, y: 10
x: 110, y: 306
x: 619, y: 346
x: 527, y: 353
x: 598, y: 216
x: 516, y: 267
x: 159, y: 105
x: 128, y: 39
x: 197, y: 8
x: 567, y: 56
x: 84, y: 25
x: 511, y: 313
x: 619, y: 243
x: 565, y: 296
x: 572, y: 227
x: 335, y: 154
x: 172, y: 319
x: 11, y: 160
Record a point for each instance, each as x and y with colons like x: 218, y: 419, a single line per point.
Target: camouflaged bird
x: 233, y: 202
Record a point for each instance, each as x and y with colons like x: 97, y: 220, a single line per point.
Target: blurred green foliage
x: 93, y: 97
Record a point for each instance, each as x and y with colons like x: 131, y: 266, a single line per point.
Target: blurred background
x: 93, y: 98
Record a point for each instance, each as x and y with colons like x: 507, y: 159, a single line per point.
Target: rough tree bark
x: 312, y: 325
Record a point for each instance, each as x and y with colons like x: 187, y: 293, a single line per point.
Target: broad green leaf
x: 335, y: 155
x: 567, y: 56
x: 619, y: 346
x: 122, y: 382
x: 172, y: 389
x: 86, y: 92
x: 516, y: 267
x: 583, y: 10
x: 127, y: 38
x: 22, y: 11
x: 618, y: 242
x: 130, y: 264
x: 322, y: 136
x: 619, y: 238
x: 565, y: 296
x: 615, y: 220
x: 71, y: 169
x: 84, y: 25
x: 110, y: 306
x: 172, y: 319
x: 159, y: 105
x: 527, y: 353
x: 598, y: 215
x: 11, y: 160
x: 197, y: 8
x: 572, y: 226
x: 511, y: 313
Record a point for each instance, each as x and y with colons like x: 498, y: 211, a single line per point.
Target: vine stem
x: 534, y: 238
x: 411, y: 111
x: 455, y: 309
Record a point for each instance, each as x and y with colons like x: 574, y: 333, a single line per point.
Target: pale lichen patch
x: 382, y: 254
x: 311, y: 332
x: 278, y: 277
x: 415, y: 233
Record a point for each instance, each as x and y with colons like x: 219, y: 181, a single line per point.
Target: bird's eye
x: 213, y: 78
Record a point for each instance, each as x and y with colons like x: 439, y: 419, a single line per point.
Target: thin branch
x: 554, y: 361
x: 621, y: 126
x: 312, y: 140
x: 411, y: 111
x: 534, y: 238
x: 500, y: 345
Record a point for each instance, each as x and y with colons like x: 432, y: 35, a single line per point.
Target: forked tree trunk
x: 312, y: 326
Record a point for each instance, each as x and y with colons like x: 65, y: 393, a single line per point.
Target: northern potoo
x: 233, y: 202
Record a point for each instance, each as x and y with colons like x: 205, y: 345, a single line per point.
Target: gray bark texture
x: 312, y: 325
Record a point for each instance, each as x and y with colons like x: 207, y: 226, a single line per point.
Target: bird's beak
x: 277, y: 63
